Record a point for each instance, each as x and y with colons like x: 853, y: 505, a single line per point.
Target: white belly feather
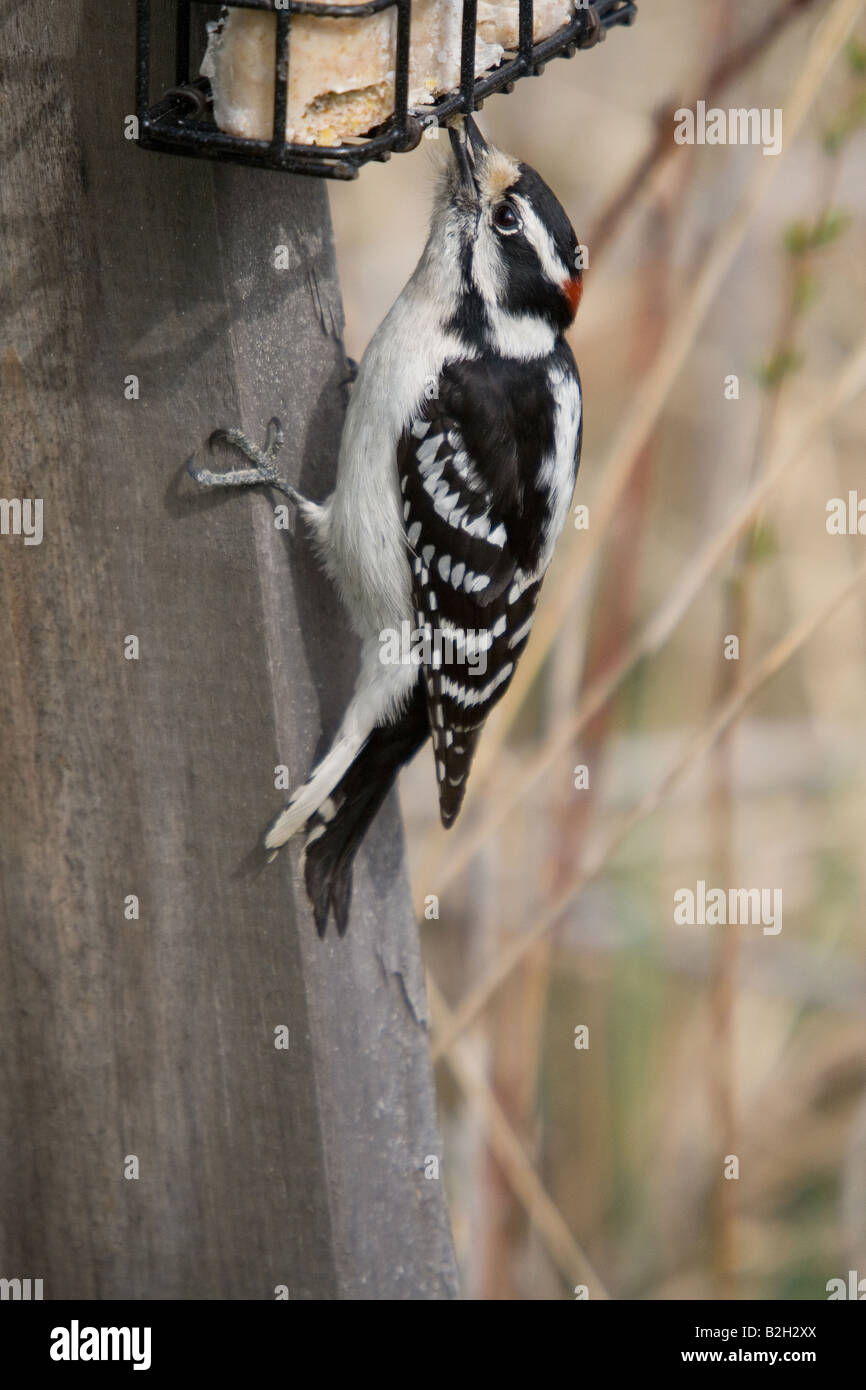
x: 401, y: 365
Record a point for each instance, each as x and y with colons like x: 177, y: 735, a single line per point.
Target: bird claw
x: 263, y: 468
x: 275, y: 444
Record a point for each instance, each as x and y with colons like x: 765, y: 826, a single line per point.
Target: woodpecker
x: 456, y: 470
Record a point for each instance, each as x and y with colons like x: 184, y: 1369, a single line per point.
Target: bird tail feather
x: 314, y: 792
x: 339, y: 823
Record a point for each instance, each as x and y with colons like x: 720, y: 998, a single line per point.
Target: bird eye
x: 505, y: 219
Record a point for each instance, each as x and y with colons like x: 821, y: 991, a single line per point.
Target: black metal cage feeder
x: 181, y: 122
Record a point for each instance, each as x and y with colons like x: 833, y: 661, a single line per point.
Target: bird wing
x: 474, y: 602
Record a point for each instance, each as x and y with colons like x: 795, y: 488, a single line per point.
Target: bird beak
x: 470, y: 149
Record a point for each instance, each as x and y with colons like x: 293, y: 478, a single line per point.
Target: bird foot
x: 264, y: 468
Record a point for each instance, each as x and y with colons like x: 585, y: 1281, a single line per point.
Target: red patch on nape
x: 573, y: 289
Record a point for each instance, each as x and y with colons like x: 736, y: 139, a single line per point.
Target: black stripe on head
x: 469, y: 319
x: 529, y: 290
x: 532, y: 187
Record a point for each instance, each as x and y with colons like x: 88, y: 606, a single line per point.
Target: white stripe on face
x: 488, y: 271
x: 542, y: 244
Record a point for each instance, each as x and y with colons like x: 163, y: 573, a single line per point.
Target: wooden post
x: 144, y: 308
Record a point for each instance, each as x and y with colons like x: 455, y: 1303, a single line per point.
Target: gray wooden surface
x: 155, y: 1038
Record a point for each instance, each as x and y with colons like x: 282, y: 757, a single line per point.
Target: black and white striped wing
x: 472, y: 601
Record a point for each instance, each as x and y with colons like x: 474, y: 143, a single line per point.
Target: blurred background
x: 602, y: 1068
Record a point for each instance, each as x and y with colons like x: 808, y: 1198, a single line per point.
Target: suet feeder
x: 398, y: 105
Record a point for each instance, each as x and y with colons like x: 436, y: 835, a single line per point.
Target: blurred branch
x: 803, y: 244
x: 695, y: 750
x: 726, y: 70
x: 853, y: 1194
x: 612, y: 618
x: 567, y: 1255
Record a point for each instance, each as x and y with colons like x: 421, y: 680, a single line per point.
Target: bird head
x: 504, y: 237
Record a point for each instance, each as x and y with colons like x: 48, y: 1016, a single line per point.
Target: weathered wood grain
x: 258, y: 1167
